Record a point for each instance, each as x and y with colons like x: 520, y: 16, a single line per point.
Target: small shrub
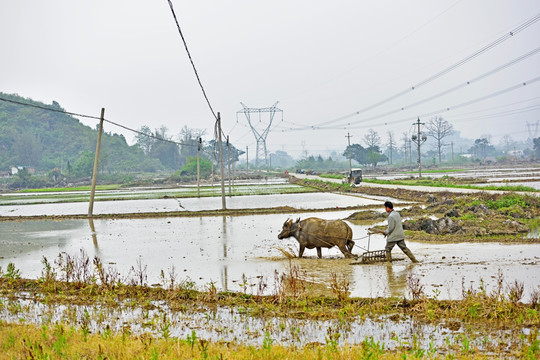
x: 415, y: 287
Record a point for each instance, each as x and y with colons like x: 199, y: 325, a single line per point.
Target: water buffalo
x: 318, y: 233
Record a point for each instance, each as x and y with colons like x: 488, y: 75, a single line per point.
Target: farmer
x: 394, y: 234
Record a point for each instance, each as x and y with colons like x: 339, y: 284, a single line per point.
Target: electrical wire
x: 467, y: 103
x: 450, y: 90
x: 191, y: 60
x: 445, y: 71
x: 96, y: 118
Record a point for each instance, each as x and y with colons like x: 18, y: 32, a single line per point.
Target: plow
x: 372, y: 256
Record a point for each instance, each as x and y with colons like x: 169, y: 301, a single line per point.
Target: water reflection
x: 93, y: 232
x: 397, y: 279
x: 224, y: 273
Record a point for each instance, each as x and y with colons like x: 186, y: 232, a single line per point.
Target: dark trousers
x: 401, y: 244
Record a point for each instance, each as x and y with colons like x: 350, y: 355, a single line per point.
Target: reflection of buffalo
x: 318, y: 233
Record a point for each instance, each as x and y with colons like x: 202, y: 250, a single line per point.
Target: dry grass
x: 288, y: 253
x: 60, y: 341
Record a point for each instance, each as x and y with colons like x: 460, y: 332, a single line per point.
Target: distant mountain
x: 44, y: 140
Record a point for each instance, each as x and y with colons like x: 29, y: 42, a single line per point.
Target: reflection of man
x: 394, y: 234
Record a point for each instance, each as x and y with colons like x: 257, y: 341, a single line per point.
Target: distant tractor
x: 354, y: 177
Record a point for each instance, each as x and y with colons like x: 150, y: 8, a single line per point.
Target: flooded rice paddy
x: 298, y: 201
x: 228, y: 250
x: 243, y: 254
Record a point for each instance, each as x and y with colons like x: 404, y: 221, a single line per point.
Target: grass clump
x: 61, y: 341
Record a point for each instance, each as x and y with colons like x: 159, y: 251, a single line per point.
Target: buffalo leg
x: 301, y: 251
x: 350, y: 245
x: 319, y: 252
x: 346, y: 251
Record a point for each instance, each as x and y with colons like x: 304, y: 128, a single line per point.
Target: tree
x: 188, y: 138
x: 28, y: 147
x: 281, y: 159
x: 438, y: 128
x: 358, y: 153
x: 375, y: 156
x: 482, y: 148
x: 507, y: 142
x: 84, y: 165
x: 372, y: 139
x: 164, y: 149
x: 144, y: 139
x: 167, y: 153
x: 406, y: 146
x: 44, y: 140
x: 211, y: 151
x: 391, y: 145
x: 190, y: 168
x: 536, y: 147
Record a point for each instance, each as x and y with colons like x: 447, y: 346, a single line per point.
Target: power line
x: 467, y: 103
x: 452, y: 89
x: 500, y: 106
x: 191, y: 60
x: 49, y: 109
x: 93, y: 117
x: 463, y: 61
x: 449, y: 108
x: 440, y: 94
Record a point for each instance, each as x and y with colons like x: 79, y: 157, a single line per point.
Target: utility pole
x: 222, y: 171
x: 198, y: 168
x: 213, y: 159
x: 419, y: 140
x: 96, y: 159
x: 247, y: 159
x: 229, y: 164
x: 349, y: 147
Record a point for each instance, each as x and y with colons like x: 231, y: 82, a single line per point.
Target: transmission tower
x: 533, y: 130
x: 261, y: 131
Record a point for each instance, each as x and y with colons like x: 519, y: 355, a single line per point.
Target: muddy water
x: 299, y: 201
x: 241, y: 254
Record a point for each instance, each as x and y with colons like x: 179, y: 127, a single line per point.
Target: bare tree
x: 438, y: 128
x: 144, y: 139
x: 391, y: 145
x: 507, y: 142
x: 161, y: 133
x: 406, y: 143
x: 189, y: 137
x: 372, y: 139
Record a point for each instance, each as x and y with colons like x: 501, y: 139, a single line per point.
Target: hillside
x: 44, y: 140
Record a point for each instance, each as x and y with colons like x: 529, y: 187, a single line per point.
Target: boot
x: 389, y: 257
x: 410, y: 255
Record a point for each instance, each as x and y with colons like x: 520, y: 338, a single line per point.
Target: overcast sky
x: 332, y: 65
